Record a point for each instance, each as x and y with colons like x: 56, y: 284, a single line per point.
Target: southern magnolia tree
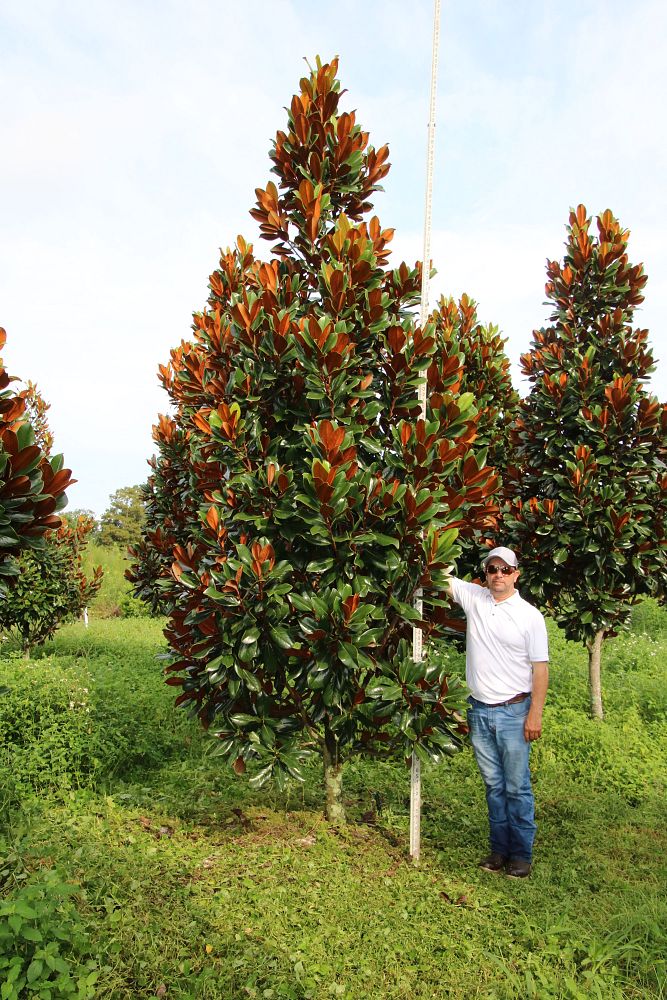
x: 588, y: 485
x: 32, y: 484
x: 486, y: 374
x: 50, y: 587
x: 170, y: 517
x: 47, y: 583
x: 325, y: 502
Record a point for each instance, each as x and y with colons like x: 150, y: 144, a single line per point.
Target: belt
x: 511, y: 701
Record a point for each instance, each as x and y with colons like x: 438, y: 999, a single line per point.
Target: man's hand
x: 532, y: 727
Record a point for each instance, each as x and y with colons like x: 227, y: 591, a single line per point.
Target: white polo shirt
x: 503, y: 640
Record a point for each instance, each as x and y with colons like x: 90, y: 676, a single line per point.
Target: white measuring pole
x: 417, y: 650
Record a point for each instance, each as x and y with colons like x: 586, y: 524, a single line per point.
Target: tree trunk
x: 333, y: 782
x: 594, y: 683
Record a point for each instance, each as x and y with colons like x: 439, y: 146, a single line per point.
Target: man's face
x: 500, y: 582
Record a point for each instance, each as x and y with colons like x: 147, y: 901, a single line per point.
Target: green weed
x: 44, y: 948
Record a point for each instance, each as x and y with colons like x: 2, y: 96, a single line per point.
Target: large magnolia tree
x: 325, y: 503
x: 589, y: 478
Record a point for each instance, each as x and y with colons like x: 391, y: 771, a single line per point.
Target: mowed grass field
x: 133, y: 864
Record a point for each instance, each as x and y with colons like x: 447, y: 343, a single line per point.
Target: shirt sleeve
x: 465, y: 593
x: 538, y: 642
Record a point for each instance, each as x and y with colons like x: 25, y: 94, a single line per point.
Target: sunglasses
x: 505, y: 570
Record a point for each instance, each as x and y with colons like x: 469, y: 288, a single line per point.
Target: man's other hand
x: 532, y: 727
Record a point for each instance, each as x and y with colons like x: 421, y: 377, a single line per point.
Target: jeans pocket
x: 520, y: 708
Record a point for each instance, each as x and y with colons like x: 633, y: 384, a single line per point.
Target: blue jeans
x: 502, y: 753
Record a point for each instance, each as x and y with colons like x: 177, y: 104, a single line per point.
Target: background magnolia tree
x: 171, y: 509
x: 50, y: 586
x: 485, y: 373
x: 32, y: 484
x: 47, y: 585
x: 325, y: 503
x: 588, y: 483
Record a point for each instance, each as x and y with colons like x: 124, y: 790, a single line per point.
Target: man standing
x: 507, y: 674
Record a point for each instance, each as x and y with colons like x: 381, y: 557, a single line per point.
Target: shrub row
x: 93, y: 706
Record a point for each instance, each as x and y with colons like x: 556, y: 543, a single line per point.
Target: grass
x: 189, y: 884
x: 114, y: 598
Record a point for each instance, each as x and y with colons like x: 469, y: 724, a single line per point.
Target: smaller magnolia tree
x: 50, y: 587
x: 588, y: 482
x: 32, y: 483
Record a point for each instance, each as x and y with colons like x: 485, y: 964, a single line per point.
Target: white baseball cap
x: 501, y: 553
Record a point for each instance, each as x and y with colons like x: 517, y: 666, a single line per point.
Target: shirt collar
x: 508, y: 600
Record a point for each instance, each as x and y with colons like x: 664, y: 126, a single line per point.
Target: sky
x: 133, y: 134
